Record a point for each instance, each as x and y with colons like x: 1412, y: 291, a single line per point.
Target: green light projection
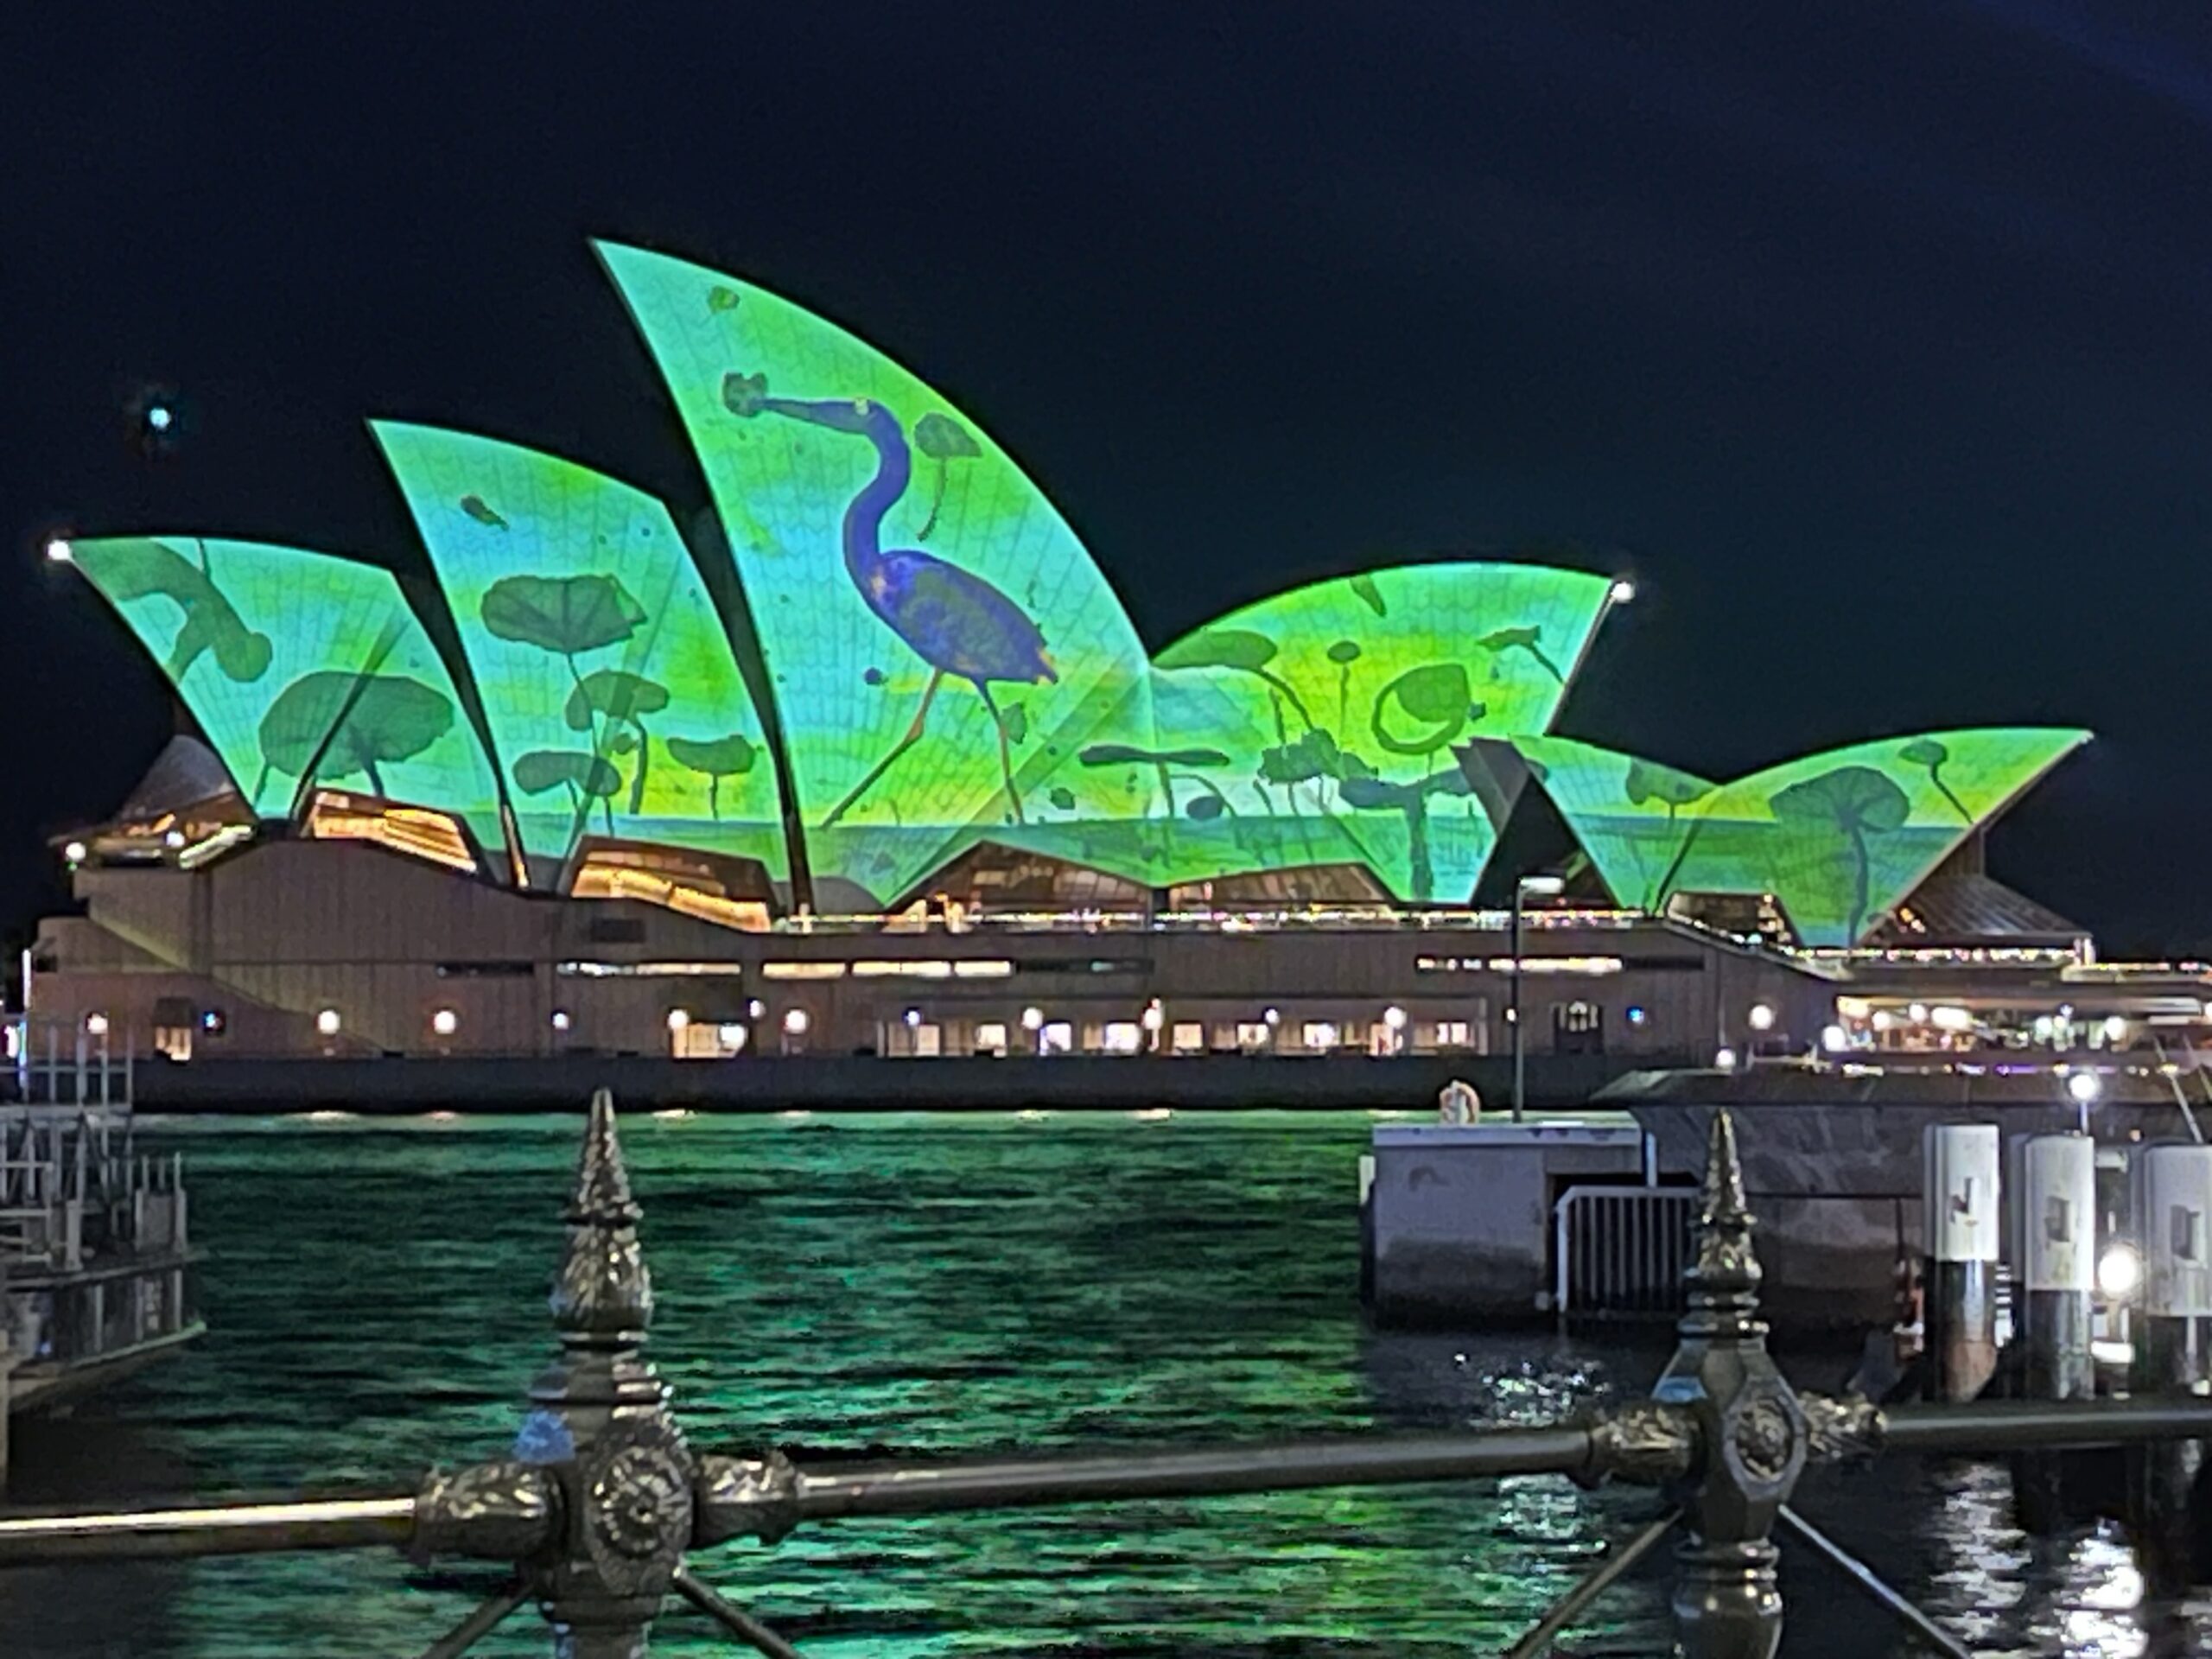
x: 294, y: 661
x: 1321, y: 726
x: 609, y: 685
x: 941, y: 647
x: 1839, y: 838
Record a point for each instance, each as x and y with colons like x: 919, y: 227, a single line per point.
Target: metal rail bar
x: 1864, y: 1577
x: 243, y: 1529
x: 485, y: 1617
x: 731, y: 1616
x: 1594, y: 1584
x: 907, y: 1489
x: 2023, y: 1425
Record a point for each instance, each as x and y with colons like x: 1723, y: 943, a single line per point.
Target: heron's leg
x: 1005, y: 754
x: 913, y: 735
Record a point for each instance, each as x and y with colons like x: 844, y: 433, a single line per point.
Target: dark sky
x: 1874, y: 338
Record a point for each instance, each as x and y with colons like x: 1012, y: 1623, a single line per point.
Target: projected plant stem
x: 954, y: 620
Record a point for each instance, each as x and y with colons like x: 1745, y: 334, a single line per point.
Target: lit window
x: 990, y: 1038
x: 1057, y: 1037
x: 1452, y: 1034
x: 929, y: 1042
x: 1253, y: 1034
x: 1124, y: 1036
x: 1322, y: 1034
x: 1189, y: 1037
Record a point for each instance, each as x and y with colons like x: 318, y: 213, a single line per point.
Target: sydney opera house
x: 872, y: 758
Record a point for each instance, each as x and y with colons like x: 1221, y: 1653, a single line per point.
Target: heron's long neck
x: 894, y: 469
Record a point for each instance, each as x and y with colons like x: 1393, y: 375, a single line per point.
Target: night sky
x: 1874, y: 344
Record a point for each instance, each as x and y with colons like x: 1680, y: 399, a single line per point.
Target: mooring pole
x: 2171, y: 1187
x: 2050, y: 1206
x: 1959, y: 1220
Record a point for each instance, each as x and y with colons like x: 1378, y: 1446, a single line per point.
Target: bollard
x: 1960, y: 1218
x: 2171, y: 1193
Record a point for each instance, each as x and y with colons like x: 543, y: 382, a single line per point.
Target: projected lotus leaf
x: 351, y: 725
x: 585, y: 778
x: 715, y: 758
x: 565, y: 614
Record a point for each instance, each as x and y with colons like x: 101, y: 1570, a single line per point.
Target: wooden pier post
x: 1960, y: 1222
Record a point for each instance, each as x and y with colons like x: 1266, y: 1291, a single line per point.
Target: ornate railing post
x: 1751, y: 1431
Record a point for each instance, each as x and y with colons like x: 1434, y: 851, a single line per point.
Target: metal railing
x: 605, y: 1500
x: 1620, y: 1252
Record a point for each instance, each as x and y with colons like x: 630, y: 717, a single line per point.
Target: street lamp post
x: 1541, y: 886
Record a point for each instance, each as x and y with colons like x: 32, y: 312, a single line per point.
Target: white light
x: 2119, y: 1270
x: 1762, y: 1017
x: 445, y: 1022
x: 2084, y: 1086
x: 1033, y: 1018
x: 58, y: 551
x: 2043, y: 1027
x: 678, y: 1019
x: 161, y: 417
x: 1154, y: 1016
x: 327, y: 1022
x: 1947, y: 1019
x: 756, y: 1008
x: 75, y: 852
x: 731, y: 1036
x: 2115, y: 1029
x: 95, y: 1025
x: 1835, y: 1039
x: 795, y: 1021
x: 913, y: 1018
x: 1395, y: 1018
x: 1884, y: 1020
x: 1622, y: 591
x: 1918, y: 1014
x: 1273, y: 1016
x: 560, y: 1019
x: 1726, y: 1059
x: 1542, y: 887
x: 174, y: 839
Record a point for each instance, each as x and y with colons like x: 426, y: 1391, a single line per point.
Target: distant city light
x: 2119, y: 1270
x: 1273, y: 1016
x: 1033, y: 1018
x: 1395, y: 1018
x: 560, y: 1019
x: 211, y: 1021
x: 1726, y: 1059
x: 75, y: 852
x: 95, y: 1025
x: 1917, y: 1013
x: 174, y: 839
x: 1154, y: 1016
x: 678, y: 1019
x: 1835, y: 1039
x: 160, y: 417
x: 327, y: 1022
x: 795, y: 1021
x: 1762, y: 1016
x: 756, y: 1008
x: 1636, y: 1015
x: 913, y: 1018
x: 2084, y: 1086
x: 1622, y: 591
x: 2115, y: 1029
x: 1954, y: 1020
x: 445, y: 1022
x: 58, y: 550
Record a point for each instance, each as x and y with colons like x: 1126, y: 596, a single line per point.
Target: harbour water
x: 933, y: 1284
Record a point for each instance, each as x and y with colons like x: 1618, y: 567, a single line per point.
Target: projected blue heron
x: 952, y: 619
